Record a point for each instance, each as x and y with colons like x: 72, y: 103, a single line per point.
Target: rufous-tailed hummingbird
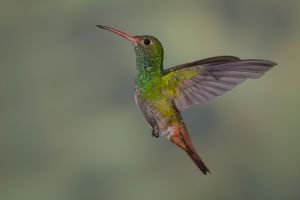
x: 161, y: 94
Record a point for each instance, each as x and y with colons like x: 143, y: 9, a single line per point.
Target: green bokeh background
x: 69, y: 128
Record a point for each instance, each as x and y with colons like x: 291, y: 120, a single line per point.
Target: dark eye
x: 147, y: 41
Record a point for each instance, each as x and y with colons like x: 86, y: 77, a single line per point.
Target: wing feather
x: 206, y: 79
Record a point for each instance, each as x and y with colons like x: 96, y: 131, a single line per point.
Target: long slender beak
x: 118, y: 32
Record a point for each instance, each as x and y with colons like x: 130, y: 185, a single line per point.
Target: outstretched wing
x: 196, y: 82
x: 212, y: 60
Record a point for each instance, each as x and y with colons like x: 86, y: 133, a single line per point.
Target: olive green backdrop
x: 69, y: 128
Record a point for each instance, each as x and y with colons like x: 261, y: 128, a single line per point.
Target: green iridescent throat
x: 149, y: 63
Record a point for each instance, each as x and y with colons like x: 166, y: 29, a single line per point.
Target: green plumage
x: 149, y: 61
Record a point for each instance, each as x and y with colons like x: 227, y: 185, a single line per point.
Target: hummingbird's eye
x: 147, y: 41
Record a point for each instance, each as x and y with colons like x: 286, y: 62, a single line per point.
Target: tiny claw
x: 155, y: 133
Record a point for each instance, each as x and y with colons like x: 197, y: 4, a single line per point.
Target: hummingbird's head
x: 148, y: 49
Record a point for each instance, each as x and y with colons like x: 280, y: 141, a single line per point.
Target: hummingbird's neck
x: 149, y: 70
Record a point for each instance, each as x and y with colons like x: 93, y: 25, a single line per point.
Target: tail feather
x: 181, y: 138
x: 197, y: 160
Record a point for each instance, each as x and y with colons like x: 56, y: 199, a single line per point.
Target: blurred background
x: 69, y: 127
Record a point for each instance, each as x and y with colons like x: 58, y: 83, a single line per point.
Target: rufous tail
x: 181, y: 138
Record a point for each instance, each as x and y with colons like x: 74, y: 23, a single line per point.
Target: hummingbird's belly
x: 164, y: 114
x: 159, y: 111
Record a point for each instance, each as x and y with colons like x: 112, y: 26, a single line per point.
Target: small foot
x: 155, y: 132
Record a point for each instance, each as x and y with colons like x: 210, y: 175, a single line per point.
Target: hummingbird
x: 163, y: 93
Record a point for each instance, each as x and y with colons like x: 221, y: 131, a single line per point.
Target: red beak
x: 118, y: 32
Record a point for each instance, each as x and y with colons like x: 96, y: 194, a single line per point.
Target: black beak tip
x: 100, y: 26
